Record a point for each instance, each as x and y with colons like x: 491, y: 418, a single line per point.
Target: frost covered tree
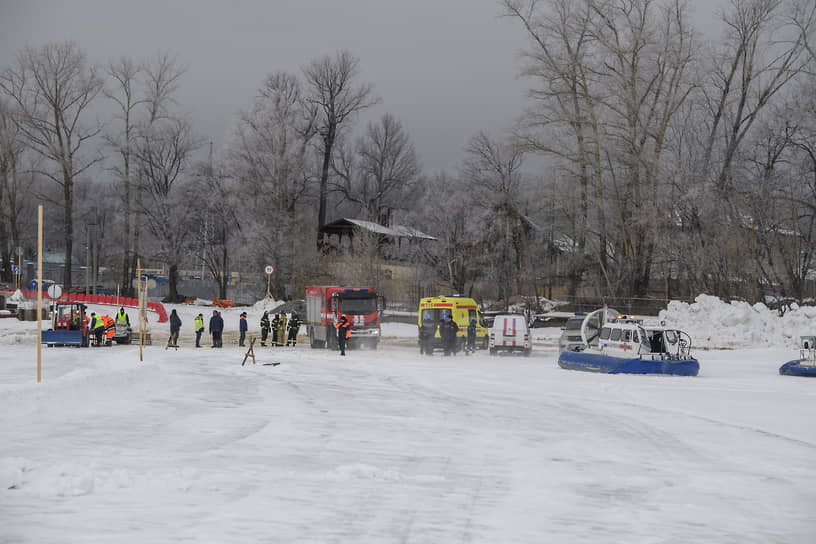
x: 563, y: 121
x: 143, y: 95
x: 126, y: 93
x: 332, y: 89
x: 163, y: 155
x: 492, y: 174
x: 52, y: 88
x: 218, y: 217
x: 274, y: 171
x: 749, y: 74
x: 11, y: 149
x: 381, y: 173
x: 454, y: 256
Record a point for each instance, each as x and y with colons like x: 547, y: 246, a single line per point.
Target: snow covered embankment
x: 712, y: 323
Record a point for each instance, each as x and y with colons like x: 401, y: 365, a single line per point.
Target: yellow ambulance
x: 462, y: 308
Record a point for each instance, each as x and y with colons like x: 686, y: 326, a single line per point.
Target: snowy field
x: 390, y: 446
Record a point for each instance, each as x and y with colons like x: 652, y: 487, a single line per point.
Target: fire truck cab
x: 361, y: 306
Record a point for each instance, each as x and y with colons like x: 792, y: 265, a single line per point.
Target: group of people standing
x: 279, y: 326
x: 216, y: 328
x: 448, y: 331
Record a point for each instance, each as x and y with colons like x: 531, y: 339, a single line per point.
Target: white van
x: 510, y: 333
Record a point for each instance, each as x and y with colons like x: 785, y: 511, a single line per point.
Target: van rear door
x: 507, y: 330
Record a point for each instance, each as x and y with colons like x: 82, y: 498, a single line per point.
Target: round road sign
x: 54, y: 291
x: 269, y: 269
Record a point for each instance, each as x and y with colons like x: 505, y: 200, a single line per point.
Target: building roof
x: 347, y: 225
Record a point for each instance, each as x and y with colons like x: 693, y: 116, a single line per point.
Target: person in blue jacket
x: 175, y: 327
x: 471, y: 338
x: 242, y: 328
x: 216, y: 328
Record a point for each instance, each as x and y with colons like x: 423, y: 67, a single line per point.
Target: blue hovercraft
x: 622, y: 345
x: 805, y: 365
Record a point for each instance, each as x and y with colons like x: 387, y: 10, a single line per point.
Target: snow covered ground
x: 390, y: 446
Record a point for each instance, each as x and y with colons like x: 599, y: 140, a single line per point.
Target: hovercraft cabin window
x: 605, y: 333
x: 616, y: 334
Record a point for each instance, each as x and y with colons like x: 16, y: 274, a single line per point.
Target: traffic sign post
x: 268, y: 269
x: 54, y: 291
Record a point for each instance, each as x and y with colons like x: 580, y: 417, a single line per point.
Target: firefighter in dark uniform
x: 294, y: 326
x: 274, y: 324
x: 264, y: 327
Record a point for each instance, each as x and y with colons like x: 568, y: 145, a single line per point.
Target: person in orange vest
x: 343, y: 333
x: 110, y: 328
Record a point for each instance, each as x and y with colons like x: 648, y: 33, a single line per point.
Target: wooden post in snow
x: 139, y: 293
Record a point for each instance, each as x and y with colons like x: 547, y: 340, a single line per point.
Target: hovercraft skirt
x: 796, y: 368
x: 595, y: 362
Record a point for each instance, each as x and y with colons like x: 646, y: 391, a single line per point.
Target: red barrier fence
x: 157, y: 307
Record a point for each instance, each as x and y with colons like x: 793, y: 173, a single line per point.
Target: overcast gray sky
x: 445, y: 68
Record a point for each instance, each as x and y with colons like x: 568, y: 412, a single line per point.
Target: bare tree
x: 218, y: 202
x: 273, y: 169
x: 52, y: 87
x: 333, y: 91
x: 162, y: 75
x: 764, y: 51
x: 125, y: 94
x: 454, y: 257
x: 564, y: 120
x: 493, y: 173
x: 163, y: 154
x: 762, y: 54
x: 12, y: 187
x: 650, y: 50
x: 381, y: 176
x: 610, y: 78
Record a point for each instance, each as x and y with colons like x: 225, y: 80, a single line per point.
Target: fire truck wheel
x: 313, y: 342
x: 332, y: 342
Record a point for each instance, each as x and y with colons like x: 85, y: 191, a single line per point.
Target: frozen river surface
x: 390, y: 446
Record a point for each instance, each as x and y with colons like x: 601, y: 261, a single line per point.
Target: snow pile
x: 265, y: 305
x: 17, y: 297
x: 713, y: 323
x: 19, y: 337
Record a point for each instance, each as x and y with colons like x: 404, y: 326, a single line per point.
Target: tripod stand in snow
x: 250, y: 352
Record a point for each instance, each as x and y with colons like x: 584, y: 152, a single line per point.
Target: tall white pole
x: 39, y: 290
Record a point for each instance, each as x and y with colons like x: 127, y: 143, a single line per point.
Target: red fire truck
x: 361, y: 306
